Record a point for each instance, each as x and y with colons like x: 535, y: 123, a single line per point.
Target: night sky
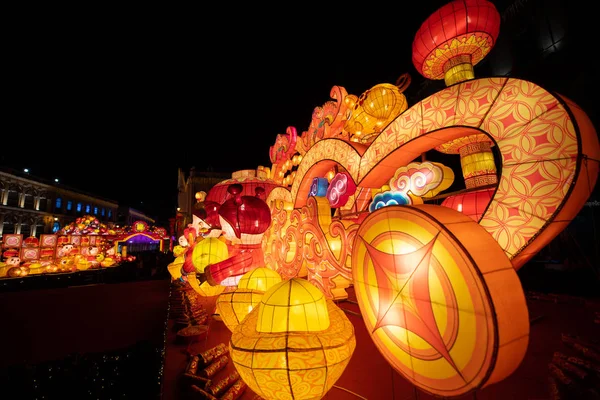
x: 114, y: 106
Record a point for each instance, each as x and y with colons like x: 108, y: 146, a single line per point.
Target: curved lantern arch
x: 548, y: 146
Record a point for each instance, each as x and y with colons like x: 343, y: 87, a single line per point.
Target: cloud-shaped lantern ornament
x: 318, y: 188
x: 294, y: 345
x: 340, y: 189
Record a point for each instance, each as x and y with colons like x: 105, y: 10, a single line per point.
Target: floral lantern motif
x: 375, y: 108
x: 294, y: 345
x: 454, y: 39
x: 340, y: 189
x: 234, y: 306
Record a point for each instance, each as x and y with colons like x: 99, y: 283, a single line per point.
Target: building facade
x: 187, y: 187
x: 30, y: 206
x: 126, y: 216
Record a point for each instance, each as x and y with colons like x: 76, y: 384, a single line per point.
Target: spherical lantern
x: 454, y: 39
x: 261, y: 279
x: 472, y: 204
x: 208, y: 251
x: 294, y: 345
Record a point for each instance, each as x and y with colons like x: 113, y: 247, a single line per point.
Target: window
x: 69, y: 205
x: 55, y: 227
x: 95, y: 210
x: 78, y: 207
x: 109, y: 213
x: 58, y: 203
x: 87, y: 208
x: 102, y: 212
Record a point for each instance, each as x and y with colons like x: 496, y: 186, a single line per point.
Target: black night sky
x: 114, y: 105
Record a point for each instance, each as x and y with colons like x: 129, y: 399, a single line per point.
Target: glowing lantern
x: 295, y: 333
x: 319, y: 187
x: 342, y: 186
x: 261, y: 278
x: 208, y: 251
x: 174, y: 268
x: 440, y: 298
x: 454, y: 39
x: 472, y: 204
x: 234, y: 306
x: 376, y: 108
x: 204, y: 289
x: 448, y: 44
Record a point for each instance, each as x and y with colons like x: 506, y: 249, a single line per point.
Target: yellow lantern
x: 174, y: 268
x: 204, y: 289
x: 208, y: 251
x: 294, y: 345
x: 259, y: 279
x: 234, y: 306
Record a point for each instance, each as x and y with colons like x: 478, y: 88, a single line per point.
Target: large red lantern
x: 454, y: 39
x: 472, y: 204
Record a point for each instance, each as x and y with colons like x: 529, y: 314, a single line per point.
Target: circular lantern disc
x: 439, y: 297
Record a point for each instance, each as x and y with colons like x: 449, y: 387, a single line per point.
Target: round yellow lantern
x: 259, y: 279
x: 295, y: 344
x: 234, y: 306
x: 208, y: 251
x: 174, y: 268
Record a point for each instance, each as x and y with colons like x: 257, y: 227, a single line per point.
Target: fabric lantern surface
x: 204, y: 289
x: 440, y: 298
x: 261, y: 278
x: 301, y: 354
x: 208, y: 251
x: 319, y: 187
x: 454, y: 39
x: 472, y: 204
x: 234, y: 306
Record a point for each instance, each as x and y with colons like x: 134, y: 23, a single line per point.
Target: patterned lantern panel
x: 300, y: 362
x: 440, y: 298
x: 204, y: 289
x: 208, y: 251
x: 234, y: 306
x: 261, y: 279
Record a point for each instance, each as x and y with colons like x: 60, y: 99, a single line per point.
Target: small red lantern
x: 472, y: 204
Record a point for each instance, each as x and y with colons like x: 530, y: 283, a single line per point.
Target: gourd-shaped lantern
x: 295, y: 344
x: 449, y: 43
x: 234, y: 306
x: 204, y: 289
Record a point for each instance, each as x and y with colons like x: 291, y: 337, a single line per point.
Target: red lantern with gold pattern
x: 454, y: 39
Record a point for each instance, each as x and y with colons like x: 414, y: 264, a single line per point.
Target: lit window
x: 55, y: 227
x: 78, y: 207
x: 102, y: 212
x: 87, y: 208
x: 58, y: 202
x: 95, y: 210
x: 69, y: 205
x: 109, y: 213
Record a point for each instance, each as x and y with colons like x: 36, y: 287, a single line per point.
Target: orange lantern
x: 440, y: 298
x: 294, y: 345
x: 472, y: 204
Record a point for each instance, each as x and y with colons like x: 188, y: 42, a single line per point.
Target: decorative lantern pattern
x: 454, y: 39
x: 234, y: 306
x: 204, y: 289
x: 340, y: 189
x: 440, y: 298
x: 375, y: 108
x: 541, y: 187
x: 319, y: 187
x: 294, y: 345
